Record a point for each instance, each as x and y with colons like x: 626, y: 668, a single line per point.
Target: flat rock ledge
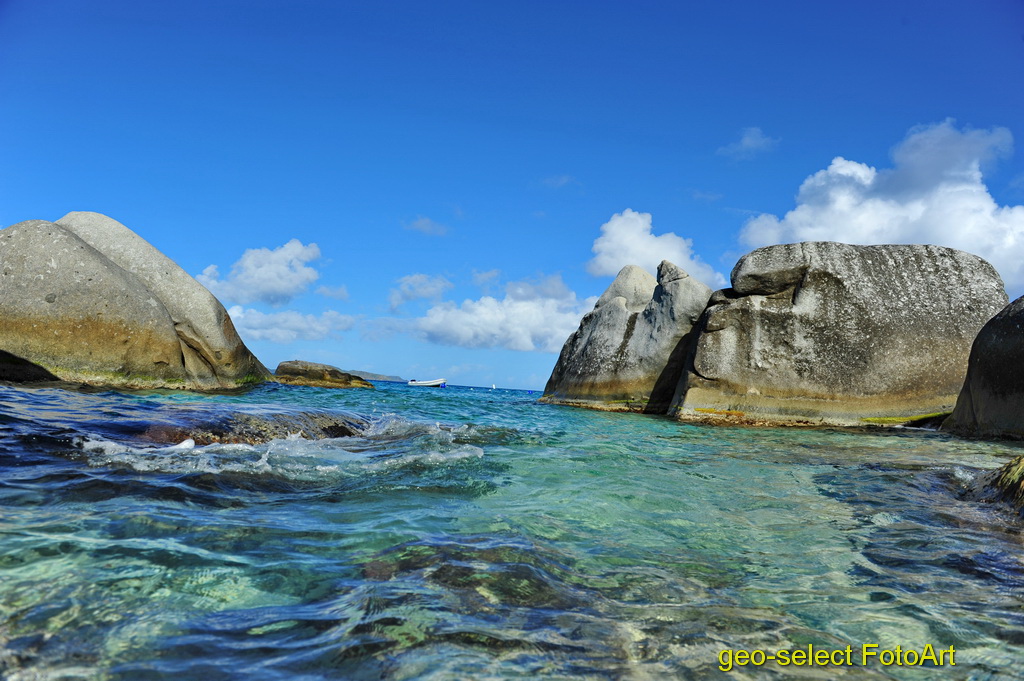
x: 315, y: 375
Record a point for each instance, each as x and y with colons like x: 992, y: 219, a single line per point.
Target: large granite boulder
x: 299, y: 372
x: 991, y: 403
x: 824, y: 332
x: 87, y: 300
x: 628, y: 352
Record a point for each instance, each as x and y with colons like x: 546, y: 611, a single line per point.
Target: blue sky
x: 442, y: 188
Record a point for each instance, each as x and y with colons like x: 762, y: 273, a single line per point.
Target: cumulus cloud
x: 264, y: 275
x: 427, y: 226
x: 627, y: 239
x: 932, y: 194
x: 533, y: 315
x: 418, y: 286
x: 752, y: 141
x: 289, y: 325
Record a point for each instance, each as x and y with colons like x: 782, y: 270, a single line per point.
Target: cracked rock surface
x: 829, y: 332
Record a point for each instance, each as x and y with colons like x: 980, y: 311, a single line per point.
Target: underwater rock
x: 991, y: 402
x: 1004, y: 484
x: 1008, y: 483
x: 823, y: 332
x: 300, y: 372
x: 89, y: 301
x: 249, y: 428
x: 628, y: 352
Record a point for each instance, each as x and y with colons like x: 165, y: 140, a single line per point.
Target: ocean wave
x: 292, y: 458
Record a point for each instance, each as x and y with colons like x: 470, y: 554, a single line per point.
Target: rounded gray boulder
x: 87, y: 300
x: 835, y: 333
x: 628, y: 352
x: 991, y: 402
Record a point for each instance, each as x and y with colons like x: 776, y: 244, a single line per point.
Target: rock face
x: 991, y: 403
x: 87, y: 300
x: 833, y: 333
x: 298, y: 372
x: 628, y: 353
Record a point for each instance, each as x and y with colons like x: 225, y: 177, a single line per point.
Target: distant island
x: 366, y: 375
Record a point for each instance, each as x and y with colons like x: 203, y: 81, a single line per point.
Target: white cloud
x: 264, y: 275
x: 627, y: 239
x: 337, y: 292
x: 933, y: 194
x: 289, y: 325
x: 751, y: 141
x: 418, y: 286
x: 427, y: 226
x: 532, y: 316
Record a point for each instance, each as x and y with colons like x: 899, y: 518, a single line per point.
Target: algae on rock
x: 825, y: 332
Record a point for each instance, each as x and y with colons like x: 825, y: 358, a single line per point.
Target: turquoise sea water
x: 477, y: 534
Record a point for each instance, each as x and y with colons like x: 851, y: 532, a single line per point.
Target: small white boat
x: 436, y: 383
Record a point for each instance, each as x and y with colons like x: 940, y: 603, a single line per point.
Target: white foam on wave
x: 291, y: 458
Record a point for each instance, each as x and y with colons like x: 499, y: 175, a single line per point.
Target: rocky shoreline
x: 816, y: 333
x: 811, y: 334
x: 808, y: 334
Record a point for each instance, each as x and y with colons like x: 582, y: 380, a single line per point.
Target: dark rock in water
x: 1003, y: 484
x: 249, y: 428
x: 299, y: 372
x: 825, y: 332
x: 370, y: 376
x: 991, y: 403
x: 628, y: 353
x: 18, y: 370
x: 89, y: 301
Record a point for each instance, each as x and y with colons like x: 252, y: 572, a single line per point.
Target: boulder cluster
x: 814, y: 332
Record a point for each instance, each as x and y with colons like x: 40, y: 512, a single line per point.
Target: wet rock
x: 823, y: 332
x: 299, y: 372
x: 991, y: 402
x: 628, y: 353
x: 248, y: 428
x: 1004, y: 484
x: 89, y: 301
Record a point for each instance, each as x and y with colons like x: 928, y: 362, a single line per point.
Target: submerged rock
x: 87, y: 300
x: 1003, y: 484
x: 825, y: 332
x: 991, y: 402
x: 299, y: 372
x: 628, y: 352
x: 253, y: 428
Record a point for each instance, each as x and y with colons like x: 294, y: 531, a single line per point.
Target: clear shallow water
x: 478, y: 534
